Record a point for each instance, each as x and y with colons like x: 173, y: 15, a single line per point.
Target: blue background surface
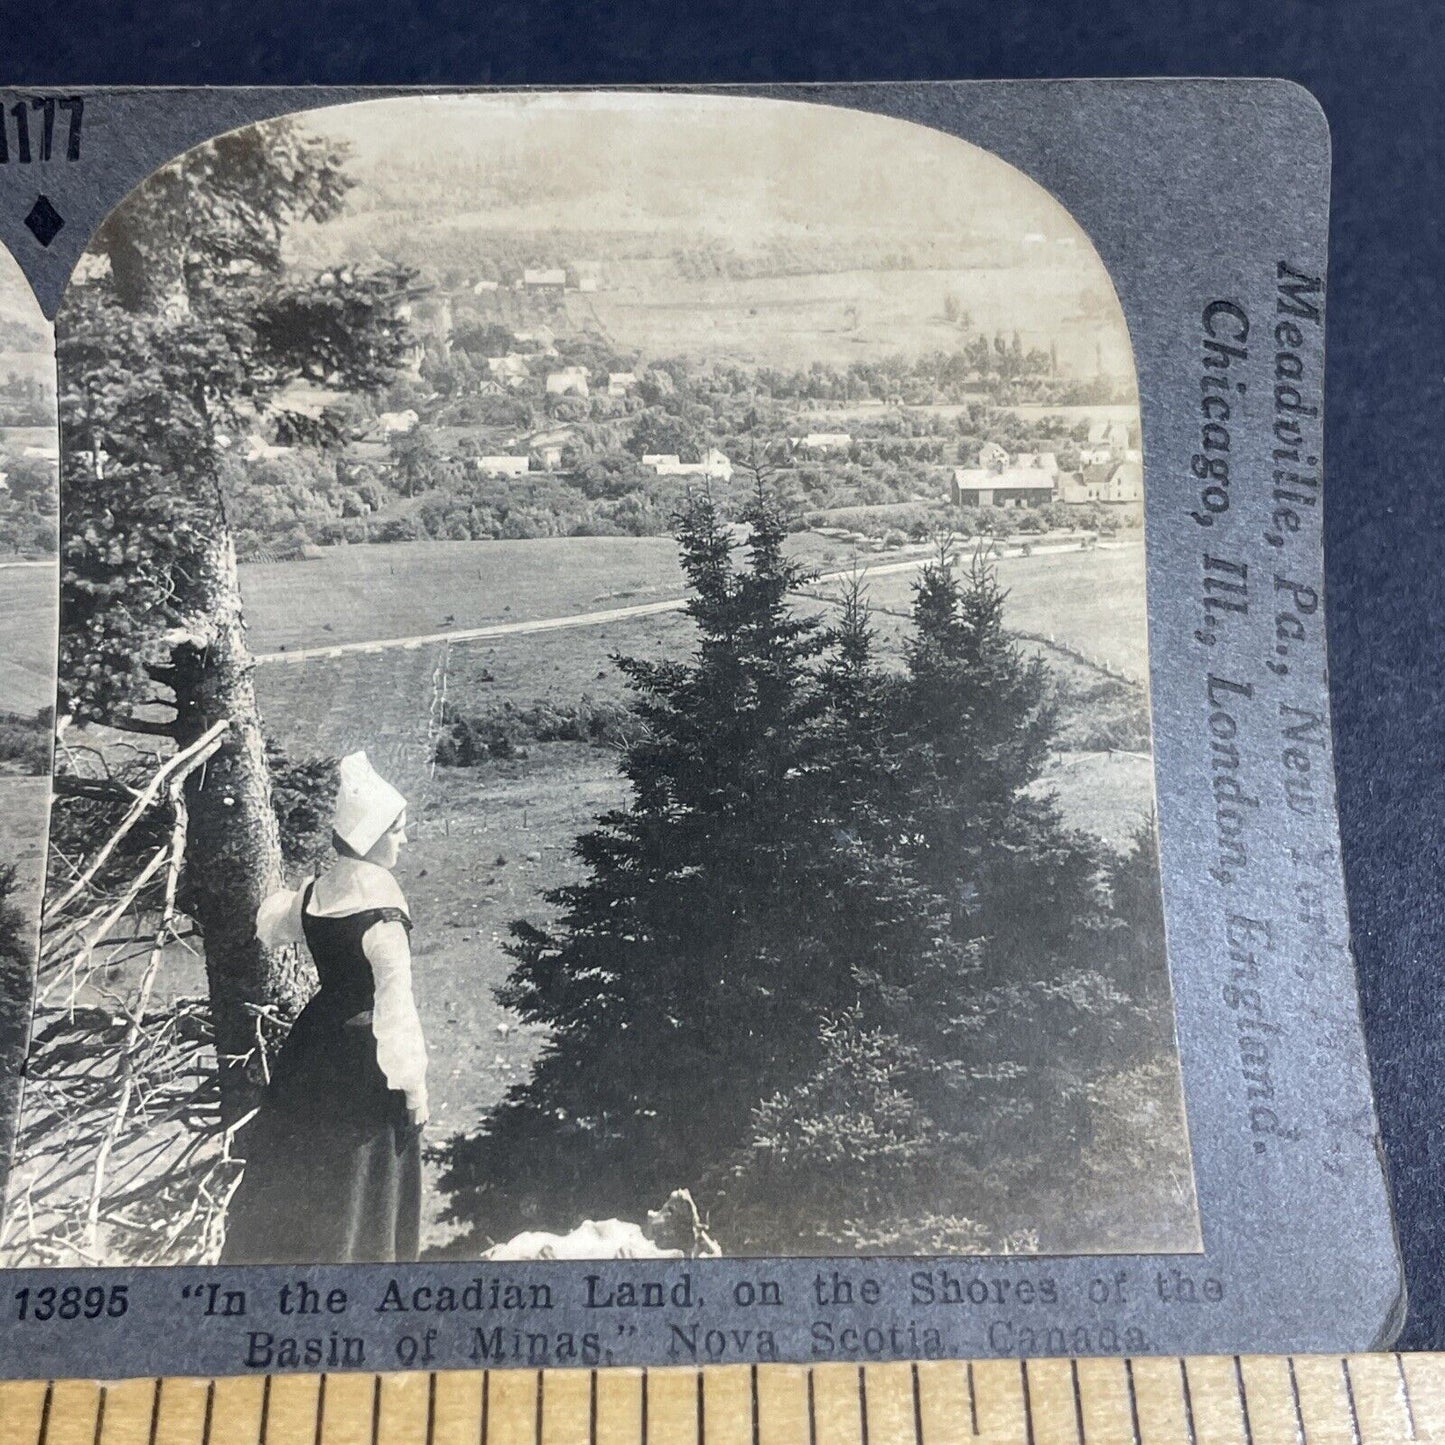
x: 1377, y: 66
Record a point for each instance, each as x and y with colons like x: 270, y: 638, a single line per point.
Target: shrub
x: 500, y: 732
x: 1107, y: 715
x: 25, y: 743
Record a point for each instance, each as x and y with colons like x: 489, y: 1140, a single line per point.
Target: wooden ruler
x: 1249, y: 1400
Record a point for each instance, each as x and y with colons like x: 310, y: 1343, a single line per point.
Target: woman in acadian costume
x: 333, y: 1157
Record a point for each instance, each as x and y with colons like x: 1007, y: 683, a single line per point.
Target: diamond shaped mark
x: 44, y: 220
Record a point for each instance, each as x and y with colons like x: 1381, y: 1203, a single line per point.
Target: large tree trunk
x: 148, y: 279
x: 233, y: 853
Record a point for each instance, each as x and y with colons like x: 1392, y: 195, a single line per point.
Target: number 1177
x: 33, y: 124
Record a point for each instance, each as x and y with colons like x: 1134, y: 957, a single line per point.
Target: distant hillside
x: 23, y: 327
x: 758, y: 232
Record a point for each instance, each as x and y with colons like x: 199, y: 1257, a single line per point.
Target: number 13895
x: 71, y: 1303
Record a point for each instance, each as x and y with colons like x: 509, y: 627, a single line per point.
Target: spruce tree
x: 975, y: 728
x: 964, y: 1080
x: 1017, y: 1043
x: 723, y: 915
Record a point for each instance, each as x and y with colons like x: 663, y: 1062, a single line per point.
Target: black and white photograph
x: 601, y: 706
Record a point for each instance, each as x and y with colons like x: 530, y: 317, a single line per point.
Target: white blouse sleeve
x: 278, y: 920
x: 400, y: 1047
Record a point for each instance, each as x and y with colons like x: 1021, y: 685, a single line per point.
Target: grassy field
x: 488, y: 842
x: 24, y: 806
x: 837, y: 317
x: 1093, y: 600
x: 355, y: 594
x: 27, y: 636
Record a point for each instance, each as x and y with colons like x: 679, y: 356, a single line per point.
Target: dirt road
x: 619, y: 614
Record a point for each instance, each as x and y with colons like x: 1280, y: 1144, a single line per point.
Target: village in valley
x: 517, y: 417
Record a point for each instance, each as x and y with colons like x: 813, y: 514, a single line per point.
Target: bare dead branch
x: 175, y: 768
x: 137, y: 1021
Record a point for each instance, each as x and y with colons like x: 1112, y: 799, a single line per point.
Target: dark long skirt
x: 333, y: 1166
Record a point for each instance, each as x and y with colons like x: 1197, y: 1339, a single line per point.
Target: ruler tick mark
x: 1188, y: 1401
x: 972, y: 1401
x: 1405, y: 1394
x: 486, y: 1406
x: 701, y: 1412
x: 1133, y: 1400
x: 210, y: 1412
x: 537, y: 1417
x: 1243, y: 1402
x: 862, y: 1405
x: 812, y: 1412
x: 592, y: 1411
x: 376, y: 1412
x: 265, y: 1411
x: 320, y: 1408
x: 100, y: 1415
x: 644, y: 1405
x: 1350, y: 1397
x: 44, y: 1434
x: 1299, y: 1414
x: 757, y: 1424
x: 917, y: 1408
x: 1028, y: 1403
x: 156, y: 1411
x: 431, y: 1408
x: 1078, y: 1401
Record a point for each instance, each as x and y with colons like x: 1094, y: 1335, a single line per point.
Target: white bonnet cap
x: 366, y: 804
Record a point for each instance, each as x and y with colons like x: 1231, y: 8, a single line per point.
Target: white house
x: 545, y: 277
x: 1112, y: 483
x: 619, y: 383
x: 393, y: 423
x: 586, y: 283
x: 991, y: 454
x: 500, y: 466
x: 714, y: 465
x: 258, y: 450
x: 826, y: 441
x: 511, y: 369
x: 1126, y: 483
x: 569, y: 381
x: 480, y: 288
x: 1093, y: 456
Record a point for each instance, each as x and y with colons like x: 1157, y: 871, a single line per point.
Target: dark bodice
x: 335, y: 944
x: 333, y: 1163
